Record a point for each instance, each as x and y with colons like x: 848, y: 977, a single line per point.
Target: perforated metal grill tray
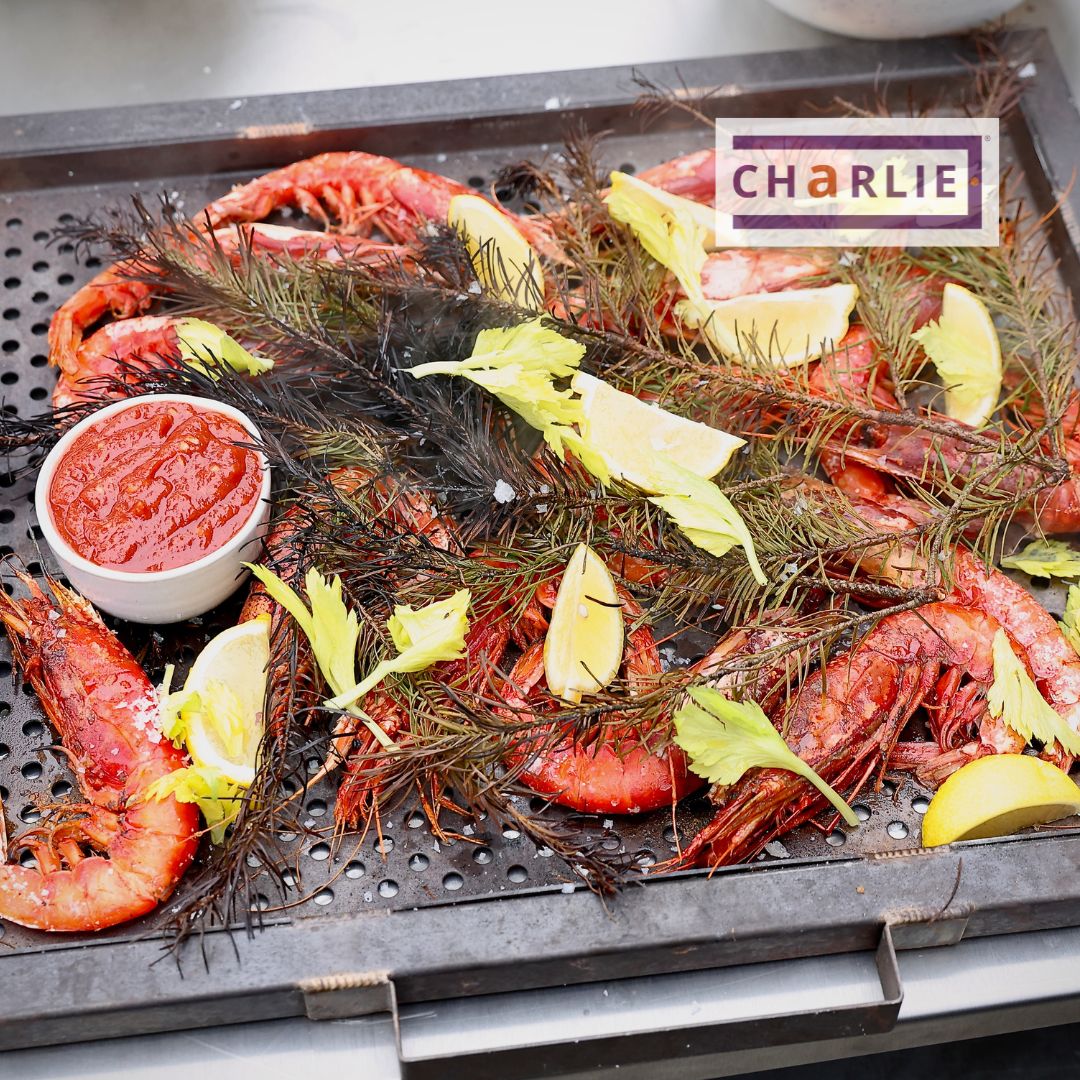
x: 375, y: 899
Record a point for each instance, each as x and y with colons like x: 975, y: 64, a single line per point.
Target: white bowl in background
x: 156, y: 596
x: 881, y: 19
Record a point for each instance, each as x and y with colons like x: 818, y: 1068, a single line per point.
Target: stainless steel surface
x: 975, y: 988
x: 536, y: 1017
x: 60, y: 54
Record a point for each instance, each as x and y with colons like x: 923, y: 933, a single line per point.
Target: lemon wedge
x: 996, y: 796
x: 584, y: 644
x: 964, y: 347
x: 702, y: 215
x: 629, y: 433
x: 503, y: 259
x: 229, y: 676
x: 783, y: 328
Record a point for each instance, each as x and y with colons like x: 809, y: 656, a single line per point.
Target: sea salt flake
x: 552, y: 103
x: 504, y: 493
x: 1028, y: 71
x: 777, y: 850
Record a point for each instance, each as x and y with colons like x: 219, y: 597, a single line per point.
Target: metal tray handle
x: 657, y: 1044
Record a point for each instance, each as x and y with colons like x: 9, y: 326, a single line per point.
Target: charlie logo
x: 879, y: 182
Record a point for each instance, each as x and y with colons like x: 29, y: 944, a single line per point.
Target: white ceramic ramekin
x: 886, y: 19
x: 158, y: 596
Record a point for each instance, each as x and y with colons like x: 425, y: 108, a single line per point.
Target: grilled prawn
x: 1051, y: 660
x: 625, y: 770
x: 151, y: 340
x: 846, y: 719
x: 115, y: 855
x: 863, y: 459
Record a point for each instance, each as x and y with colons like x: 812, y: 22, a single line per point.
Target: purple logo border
x: 971, y: 144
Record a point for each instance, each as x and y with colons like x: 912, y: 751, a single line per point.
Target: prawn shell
x: 104, y: 709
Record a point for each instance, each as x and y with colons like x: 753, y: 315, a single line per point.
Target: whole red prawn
x: 864, y: 459
x: 624, y: 772
x: 351, y: 194
x: 1051, y: 660
x: 115, y: 855
x: 846, y: 718
x: 147, y: 341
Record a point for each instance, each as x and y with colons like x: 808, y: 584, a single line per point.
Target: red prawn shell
x: 105, y: 710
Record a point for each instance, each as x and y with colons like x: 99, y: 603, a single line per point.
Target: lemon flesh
x: 629, y: 433
x: 969, y: 317
x: 584, y: 644
x: 783, y: 329
x: 230, y: 677
x: 996, y: 796
x: 503, y: 259
x: 702, y: 215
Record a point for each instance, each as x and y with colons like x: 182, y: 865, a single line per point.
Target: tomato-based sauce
x: 158, y: 485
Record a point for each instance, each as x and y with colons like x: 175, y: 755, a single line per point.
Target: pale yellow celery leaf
x: 948, y: 349
x: 667, y: 233
x: 694, y: 314
x: 329, y: 626
x: 519, y: 365
x: 1015, y: 699
x: 218, y: 800
x: 283, y: 594
x: 1070, y: 620
x: 724, y: 738
x: 432, y: 633
x: 702, y: 213
x: 704, y: 513
x: 587, y: 453
x: 425, y: 636
x: 1045, y: 558
x: 174, y: 709
x: 202, y: 343
x: 335, y: 630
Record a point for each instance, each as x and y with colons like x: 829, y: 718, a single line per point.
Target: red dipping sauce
x: 155, y: 486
